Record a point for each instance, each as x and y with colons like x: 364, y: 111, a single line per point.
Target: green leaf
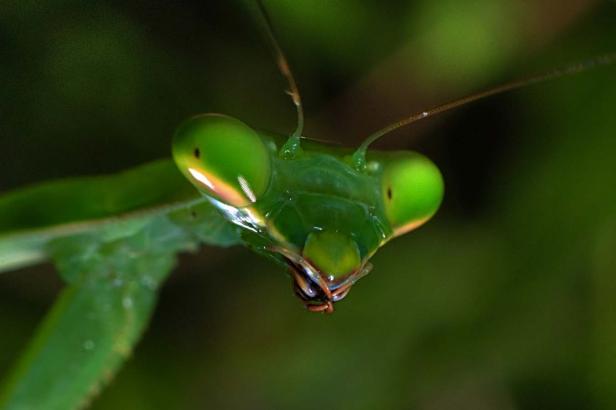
x: 97, y: 320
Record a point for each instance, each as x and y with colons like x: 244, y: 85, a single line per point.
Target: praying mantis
x: 319, y: 211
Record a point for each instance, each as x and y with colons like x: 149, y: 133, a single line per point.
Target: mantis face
x: 314, y: 211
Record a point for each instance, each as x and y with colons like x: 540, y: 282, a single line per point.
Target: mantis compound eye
x: 223, y: 158
x: 412, y: 190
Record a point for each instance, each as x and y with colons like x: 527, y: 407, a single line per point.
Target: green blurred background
x: 506, y: 300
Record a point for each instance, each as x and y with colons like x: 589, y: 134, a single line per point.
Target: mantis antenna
x: 283, y: 65
x: 359, y: 157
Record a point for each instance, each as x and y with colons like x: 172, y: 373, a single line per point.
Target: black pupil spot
x: 197, y: 153
x: 389, y: 192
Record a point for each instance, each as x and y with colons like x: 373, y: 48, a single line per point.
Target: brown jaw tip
x: 327, y: 307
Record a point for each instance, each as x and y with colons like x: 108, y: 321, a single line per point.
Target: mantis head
x: 314, y: 212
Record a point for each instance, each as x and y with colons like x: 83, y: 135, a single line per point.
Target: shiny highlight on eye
x: 201, y: 178
x: 218, y: 187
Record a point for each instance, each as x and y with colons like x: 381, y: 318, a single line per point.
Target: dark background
x: 506, y: 300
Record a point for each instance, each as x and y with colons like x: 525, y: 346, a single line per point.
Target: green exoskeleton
x: 322, y: 212
x: 312, y: 209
